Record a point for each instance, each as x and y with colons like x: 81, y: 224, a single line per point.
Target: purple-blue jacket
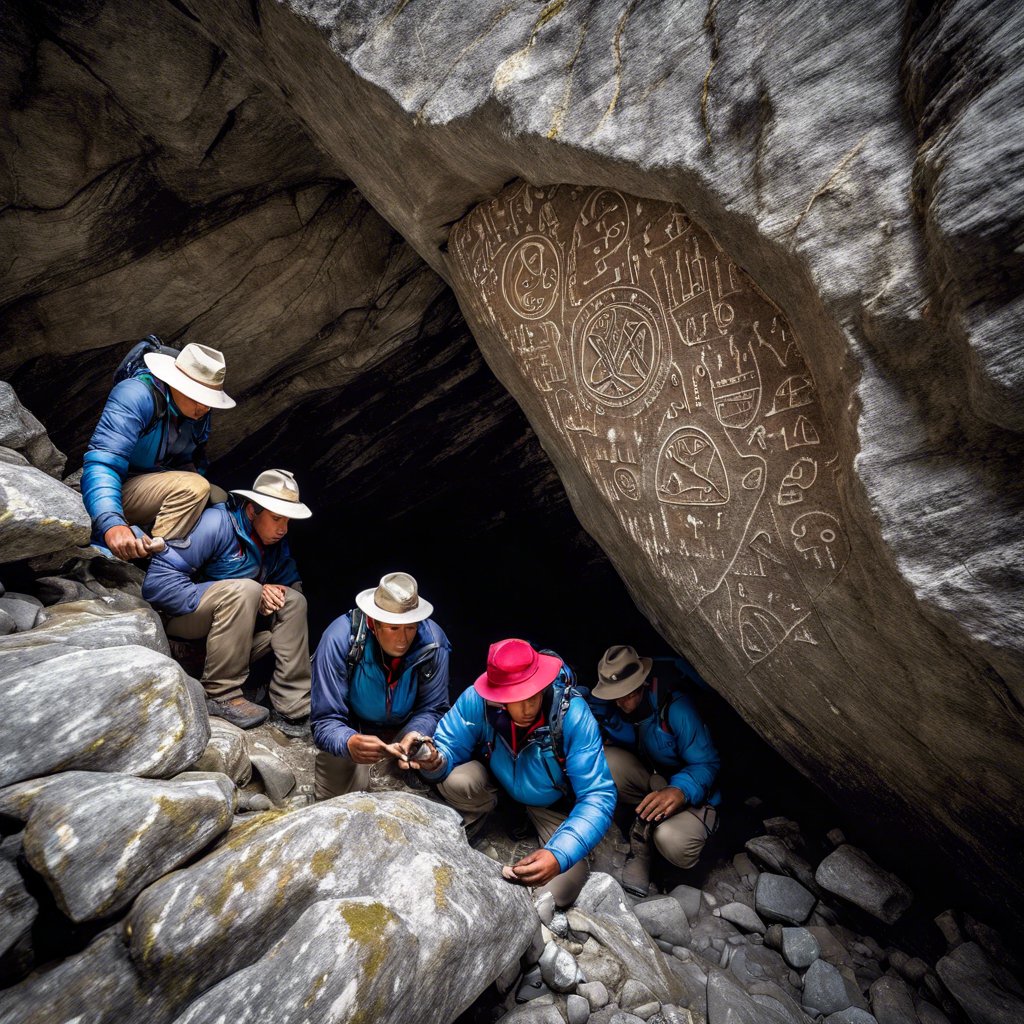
x: 220, y: 547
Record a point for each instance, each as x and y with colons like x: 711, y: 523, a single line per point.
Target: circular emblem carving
x: 530, y: 277
x: 621, y: 360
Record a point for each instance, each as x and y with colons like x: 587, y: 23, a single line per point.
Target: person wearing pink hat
x: 522, y: 725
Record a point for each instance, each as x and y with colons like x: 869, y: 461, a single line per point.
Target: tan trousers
x: 227, y: 617
x: 679, y: 839
x: 168, y: 504
x: 335, y: 776
x: 471, y: 789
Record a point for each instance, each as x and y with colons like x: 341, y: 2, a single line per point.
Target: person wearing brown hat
x: 145, y: 463
x: 380, y: 683
x: 522, y: 725
x: 661, y: 757
x: 233, y: 581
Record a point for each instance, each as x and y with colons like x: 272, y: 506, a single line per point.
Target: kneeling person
x: 380, y: 682
x: 523, y: 721
x: 662, y: 759
x: 233, y: 580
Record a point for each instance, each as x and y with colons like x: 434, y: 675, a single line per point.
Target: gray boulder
x: 17, y: 914
x: 779, y: 856
x: 663, y: 918
x: 851, y: 1015
x: 852, y: 875
x: 825, y: 989
x: 22, y: 432
x: 535, y: 1012
x: 558, y: 968
x: 602, y: 911
x: 744, y: 917
x: 12, y: 457
x: 23, y: 608
x: 133, y: 711
x: 635, y: 995
x: 277, y: 778
x: 987, y: 992
x: 93, y: 624
x: 594, y: 992
x: 7, y: 624
x: 690, y: 899
x: 99, y: 839
x: 226, y: 752
x: 577, y: 1009
x: 892, y: 1001
x: 799, y: 947
x: 781, y: 898
x: 40, y: 514
x: 729, y: 1003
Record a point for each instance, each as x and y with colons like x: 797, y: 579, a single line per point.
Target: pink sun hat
x: 515, y: 671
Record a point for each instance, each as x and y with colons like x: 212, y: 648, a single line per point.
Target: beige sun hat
x: 396, y: 599
x: 620, y: 671
x: 276, y: 489
x: 197, y: 371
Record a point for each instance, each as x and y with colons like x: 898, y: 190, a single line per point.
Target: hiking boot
x: 636, y: 872
x: 294, y: 728
x: 238, y: 711
x: 476, y: 831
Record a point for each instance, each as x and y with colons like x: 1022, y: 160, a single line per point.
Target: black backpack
x: 133, y: 362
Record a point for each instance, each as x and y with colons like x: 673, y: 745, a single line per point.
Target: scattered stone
x: 832, y: 948
x: 12, y: 457
x: 743, y: 917
x: 646, y: 1011
x: 7, y: 624
x: 799, y: 947
x: 743, y: 865
x: 785, y: 829
x: 676, y: 1015
x: 986, y: 991
x: 23, y: 608
x: 836, y: 837
x: 577, y: 1009
x: 635, y: 994
x: 913, y: 969
x: 253, y: 802
x: 851, y: 1015
x: 689, y: 899
x: 40, y: 514
x: 781, y: 898
x: 534, y: 1012
x: 773, y: 936
x: 892, y: 1001
x: 824, y: 989
x: 663, y: 918
x: 729, y: 1003
x: 559, y: 924
x: 947, y: 924
x: 929, y: 1014
x: 779, y: 857
x: 133, y: 711
x: 851, y: 874
x: 598, y: 965
x: 98, y: 839
x: 595, y: 993
x: 278, y: 779
x: 753, y: 965
x: 226, y: 753
x: 558, y: 968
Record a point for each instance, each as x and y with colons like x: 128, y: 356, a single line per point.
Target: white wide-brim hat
x: 276, y: 489
x: 197, y: 371
x: 396, y: 600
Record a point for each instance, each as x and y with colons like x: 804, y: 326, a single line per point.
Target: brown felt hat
x: 620, y: 671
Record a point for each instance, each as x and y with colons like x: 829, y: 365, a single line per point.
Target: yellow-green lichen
x: 366, y: 925
x: 443, y: 878
x: 315, y: 991
x: 550, y: 11
x: 321, y: 863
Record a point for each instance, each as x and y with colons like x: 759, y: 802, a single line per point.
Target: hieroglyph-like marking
x: 679, y: 389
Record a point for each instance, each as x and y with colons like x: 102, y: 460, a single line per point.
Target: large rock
x: 729, y: 1003
x: 380, y: 894
x: 98, y: 839
x: 17, y: 913
x: 21, y: 432
x: 92, y: 624
x: 38, y: 514
x: 226, y: 752
x: 987, y: 992
x: 781, y: 898
x: 124, y: 709
x: 851, y: 874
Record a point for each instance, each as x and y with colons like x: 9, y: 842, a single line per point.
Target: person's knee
x: 679, y: 842
x: 240, y: 592
x: 191, y: 488
x: 295, y: 602
x: 468, y: 783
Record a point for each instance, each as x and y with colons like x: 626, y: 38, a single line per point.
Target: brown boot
x: 636, y: 872
x: 238, y: 711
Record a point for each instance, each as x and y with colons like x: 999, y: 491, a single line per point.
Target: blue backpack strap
x: 357, y: 643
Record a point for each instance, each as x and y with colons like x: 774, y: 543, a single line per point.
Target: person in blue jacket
x: 145, y: 463
x: 661, y: 757
x: 380, y: 682
x: 521, y: 725
x: 233, y: 581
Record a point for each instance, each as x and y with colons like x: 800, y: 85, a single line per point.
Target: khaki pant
x: 168, y: 504
x: 336, y: 776
x: 227, y: 617
x: 679, y: 839
x: 471, y: 789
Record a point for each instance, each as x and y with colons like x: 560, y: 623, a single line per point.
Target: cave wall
x: 855, y: 173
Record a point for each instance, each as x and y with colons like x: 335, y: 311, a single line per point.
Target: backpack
x: 133, y: 363
x: 357, y: 645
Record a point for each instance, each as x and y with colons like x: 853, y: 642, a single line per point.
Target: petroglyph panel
x: 679, y: 388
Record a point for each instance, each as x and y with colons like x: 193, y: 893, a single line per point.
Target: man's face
x: 525, y: 712
x: 269, y: 526
x: 395, y: 640
x: 188, y: 407
x: 628, y: 704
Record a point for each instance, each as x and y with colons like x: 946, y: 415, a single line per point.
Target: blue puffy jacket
x: 533, y: 776
x: 220, y: 547
x: 121, y: 446
x: 340, y: 707
x: 666, y: 731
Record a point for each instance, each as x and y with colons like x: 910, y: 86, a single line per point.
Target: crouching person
x: 521, y: 725
x: 662, y: 759
x: 233, y: 581
x: 380, y: 682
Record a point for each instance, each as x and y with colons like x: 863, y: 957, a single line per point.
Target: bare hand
x: 662, y: 804
x: 272, y: 598
x: 368, y: 749
x: 537, y: 868
x: 408, y: 744
x: 123, y: 543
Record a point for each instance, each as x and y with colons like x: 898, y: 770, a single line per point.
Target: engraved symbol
x: 778, y: 334
x: 601, y: 230
x: 529, y: 279
x: 620, y: 355
x: 736, y: 389
x: 753, y: 480
x: 760, y: 632
x: 690, y: 470
x: 804, y: 434
x: 793, y: 392
x: 665, y: 231
x: 800, y: 477
x: 626, y: 482
x: 819, y: 538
